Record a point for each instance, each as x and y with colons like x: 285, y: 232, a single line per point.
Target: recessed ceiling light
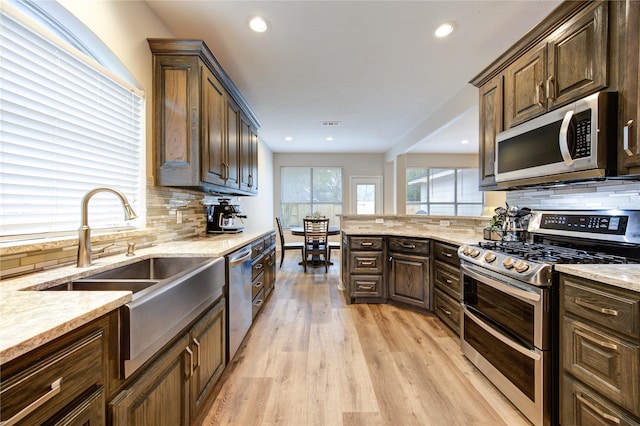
x: 329, y: 138
x: 288, y: 138
x: 464, y: 141
x: 444, y: 29
x: 258, y: 24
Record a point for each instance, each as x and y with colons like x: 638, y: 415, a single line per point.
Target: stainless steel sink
x: 168, y: 294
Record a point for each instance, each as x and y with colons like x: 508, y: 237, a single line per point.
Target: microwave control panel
x: 582, y: 125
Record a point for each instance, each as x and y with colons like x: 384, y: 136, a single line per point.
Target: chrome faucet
x: 84, y: 232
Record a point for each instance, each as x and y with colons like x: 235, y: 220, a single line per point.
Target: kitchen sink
x: 168, y: 294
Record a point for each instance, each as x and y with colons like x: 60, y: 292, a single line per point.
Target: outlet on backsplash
x: 445, y: 223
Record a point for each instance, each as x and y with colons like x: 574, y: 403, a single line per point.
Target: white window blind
x: 66, y: 126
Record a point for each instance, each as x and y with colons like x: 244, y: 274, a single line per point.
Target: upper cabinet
x: 629, y: 155
x: 581, y: 48
x: 568, y: 65
x: 203, y: 129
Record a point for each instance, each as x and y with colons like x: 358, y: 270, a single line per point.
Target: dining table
x: 315, y: 259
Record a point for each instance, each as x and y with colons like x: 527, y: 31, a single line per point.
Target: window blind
x: 66, y: 126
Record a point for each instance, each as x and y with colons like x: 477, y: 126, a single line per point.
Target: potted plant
x: 493, y: 231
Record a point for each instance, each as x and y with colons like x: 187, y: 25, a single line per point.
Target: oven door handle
x: 505, y: 288
x: 513, y: 345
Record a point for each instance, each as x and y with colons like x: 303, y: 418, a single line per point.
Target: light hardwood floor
x: 310, y: 359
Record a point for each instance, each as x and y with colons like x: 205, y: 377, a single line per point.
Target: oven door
x: 501, y: 326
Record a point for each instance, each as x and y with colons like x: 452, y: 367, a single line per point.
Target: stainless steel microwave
x: 572, y: 143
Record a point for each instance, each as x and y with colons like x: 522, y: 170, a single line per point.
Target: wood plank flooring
x: 310, y: 359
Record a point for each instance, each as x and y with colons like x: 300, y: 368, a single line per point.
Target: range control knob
x: 466, y: 250
x: 521, y: 266
x: 474, y: 252
x: 508, y: 262
x: 490, y: 256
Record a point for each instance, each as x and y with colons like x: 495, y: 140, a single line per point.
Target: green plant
x: 496, y: 222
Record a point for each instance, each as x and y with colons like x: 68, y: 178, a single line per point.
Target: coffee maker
x: 221, y: 218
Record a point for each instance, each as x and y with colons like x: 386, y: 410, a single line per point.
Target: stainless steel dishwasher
x: 239, y: 289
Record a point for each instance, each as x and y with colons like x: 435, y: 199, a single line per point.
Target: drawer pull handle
x: 448, y: 313
x: 258, y: 303
x: 601, y: 413
x: 197, y: 345
x: 258, y: 266
x: 601, y: 343
x: 445, y: 254
x: 189, y: 372
x: 258, y: 284
x: 366, y: 244
x: 367, y: 286
x: 592, y: 307
x: 55, y: 389
x: 448, y: 281
x: 409, y: 246
x: 367, y: 262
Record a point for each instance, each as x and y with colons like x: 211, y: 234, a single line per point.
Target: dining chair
x: 316, y: 241
x: 295, y: 245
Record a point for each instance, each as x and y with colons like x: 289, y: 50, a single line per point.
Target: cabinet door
x: 215, y: 167
x: 245, y: 154
x: 491, y: 123
x: 253, y: 160
x: 524, y: 93
x: 176, y: 95
x: 409, y: 280
x: 630, y: 151
x: 208, y: 346
x: 233, y: 144
x: 577, y: 57
x: 161, y: 395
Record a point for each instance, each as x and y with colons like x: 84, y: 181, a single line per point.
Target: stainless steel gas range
x: 510, y: 299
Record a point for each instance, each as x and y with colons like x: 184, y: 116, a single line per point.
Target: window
x: 307, y: 190
x: 67, y: 125
x: 443, y: 192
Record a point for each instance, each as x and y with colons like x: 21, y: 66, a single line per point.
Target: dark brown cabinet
x: 629, y: 151
x: 363, y: 268
x: 205, y: 134
x: 171, y: 390
x: 446, y: 280
x: 62, y: 382
x: 491, y: 123
x: 570, y: 64
x: 409, y: 271
x: 600, y: 347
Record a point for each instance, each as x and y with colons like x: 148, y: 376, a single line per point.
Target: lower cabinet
x: 171, y: 390
x: 446, y: 280
x: 61, y: 382
x: 600, y: 353
x: 409, y: 271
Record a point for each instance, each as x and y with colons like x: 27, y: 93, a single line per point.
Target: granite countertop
x: 450, y: 236
x: 29, y: 319
x: 623, y: 276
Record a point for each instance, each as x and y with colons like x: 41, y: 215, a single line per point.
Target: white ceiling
x: 372, y: 65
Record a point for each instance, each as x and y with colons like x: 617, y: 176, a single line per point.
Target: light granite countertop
x: 449, y: 236
x: 623, y: 276
x: 29, y: 319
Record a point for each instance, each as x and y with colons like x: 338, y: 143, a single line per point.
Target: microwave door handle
x: 563, y: 139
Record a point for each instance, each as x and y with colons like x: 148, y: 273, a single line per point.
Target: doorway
x: 366, y: 194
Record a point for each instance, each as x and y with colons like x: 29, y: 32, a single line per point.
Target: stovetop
x: 561, y: 237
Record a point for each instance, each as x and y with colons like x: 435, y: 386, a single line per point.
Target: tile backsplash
x: 592, y: 196
x: 164, y: 205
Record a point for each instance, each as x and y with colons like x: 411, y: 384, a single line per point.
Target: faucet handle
x: 131, y: 248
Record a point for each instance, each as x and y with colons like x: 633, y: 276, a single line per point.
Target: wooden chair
x: 316, y: 241
x: 297, y: 245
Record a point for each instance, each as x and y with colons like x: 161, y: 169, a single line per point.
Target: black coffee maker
x: 221, y: 218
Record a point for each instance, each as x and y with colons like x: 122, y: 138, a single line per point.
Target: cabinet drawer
x: 257, y: 303
x: 606, y: 363
x: 409, y: 246
x: 366, y: 286
x: 366, y: 262
x: 446, y: 253
x: 447, y: 278
x: 257, y: 285
x: 257, y: 267
x: 366, y: 243
x: 447, y: 309
x: 55, y: 381
x: 604, y: 305
x: 581, y: 406
x: 257, y: 247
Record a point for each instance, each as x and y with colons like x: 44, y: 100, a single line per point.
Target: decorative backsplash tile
x: 592, y: 196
